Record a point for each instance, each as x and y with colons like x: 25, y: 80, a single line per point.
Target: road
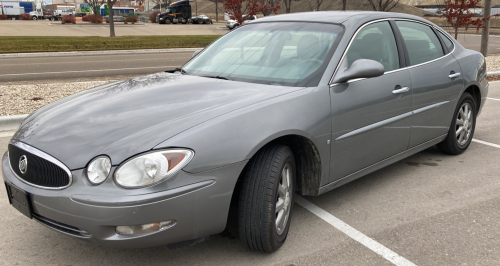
x: 99, y: 66
x: 430, y: 209
x: 89, y: 67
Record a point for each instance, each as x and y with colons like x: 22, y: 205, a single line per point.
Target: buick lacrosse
x: 295, y: 104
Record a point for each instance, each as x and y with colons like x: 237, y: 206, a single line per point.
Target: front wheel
x: 462, y: 127
x: 266, y: 199
x: 34, y: 18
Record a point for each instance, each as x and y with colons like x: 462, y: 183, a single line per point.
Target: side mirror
x: 361, y: 68
x: 196, y: 53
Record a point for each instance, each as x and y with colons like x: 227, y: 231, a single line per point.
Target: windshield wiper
x: 183, y: 72
x: 216, y: 77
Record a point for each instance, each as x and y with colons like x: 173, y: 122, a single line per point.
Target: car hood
x: 132, y: 116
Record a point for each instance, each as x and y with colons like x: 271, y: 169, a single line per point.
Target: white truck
x: 64, y: 11
x: 41, y: 12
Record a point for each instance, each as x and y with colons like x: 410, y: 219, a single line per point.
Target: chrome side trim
x: 45, y: 156
x: 371, y: 168
x: 389, y: 121
x: 429, y: 107
x: 375, y: 126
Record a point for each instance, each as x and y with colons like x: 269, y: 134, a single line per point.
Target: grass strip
x: 31, y: 44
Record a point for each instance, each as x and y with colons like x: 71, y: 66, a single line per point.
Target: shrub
x: 153, y: 15
x: 91, y: 18
x: 3, y: 17
x: 25, y: 16
x: 68, y: 19
x: 133, y: 19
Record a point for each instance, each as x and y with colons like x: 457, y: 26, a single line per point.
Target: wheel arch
x: 307, y: 159
x: 476, y: 94
x: 308, y: 176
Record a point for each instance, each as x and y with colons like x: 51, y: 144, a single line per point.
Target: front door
x: 371, y: 118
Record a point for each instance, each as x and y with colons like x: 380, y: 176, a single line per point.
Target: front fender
x: 237, y: 136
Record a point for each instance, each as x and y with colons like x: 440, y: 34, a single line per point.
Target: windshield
x: 281, y: 53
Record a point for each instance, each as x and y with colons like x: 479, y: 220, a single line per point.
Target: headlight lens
x: 151, y: 168
x: 98, y: 169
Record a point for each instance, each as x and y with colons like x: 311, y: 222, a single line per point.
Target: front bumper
x: 199, y: 203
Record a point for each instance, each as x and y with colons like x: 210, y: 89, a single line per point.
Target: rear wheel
x: 462, y: 127
x: 266, y: 199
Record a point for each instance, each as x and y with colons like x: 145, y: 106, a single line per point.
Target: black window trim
x: 399, y: 42
x: 398, y: 45
x: 433, y: 28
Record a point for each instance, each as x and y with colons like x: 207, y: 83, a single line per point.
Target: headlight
x: 98, y: 170
x: 151, y: 168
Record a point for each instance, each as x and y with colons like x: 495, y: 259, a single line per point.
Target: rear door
x: 370, y: 117
x: 436, y: 80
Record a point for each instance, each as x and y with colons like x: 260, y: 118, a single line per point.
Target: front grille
x: 39, y: 171
x: 63, y: 228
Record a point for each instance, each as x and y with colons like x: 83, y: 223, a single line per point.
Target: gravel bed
x: 493, y: 62
x: 24, y: 99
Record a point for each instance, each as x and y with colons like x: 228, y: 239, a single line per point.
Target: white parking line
x: 486, y: 143
x: 353, y: 233
x: 79, y: 71
x: 492, y: 99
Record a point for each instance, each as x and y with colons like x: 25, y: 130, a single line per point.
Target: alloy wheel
x: 284, y: 199
x: 463, y: 125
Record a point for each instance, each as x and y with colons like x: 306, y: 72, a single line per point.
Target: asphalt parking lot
x: 429, y: 209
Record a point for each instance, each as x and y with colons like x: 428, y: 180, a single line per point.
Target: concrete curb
x: 11, y: 122
x: 106, y: 52
x: 494, y: 73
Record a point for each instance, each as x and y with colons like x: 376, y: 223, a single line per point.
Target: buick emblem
x: 23, y: 164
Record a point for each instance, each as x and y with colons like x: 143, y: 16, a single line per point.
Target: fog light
x: 144, y: 229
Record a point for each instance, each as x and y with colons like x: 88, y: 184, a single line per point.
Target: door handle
x: 402, y: 90
x: 454, y: 75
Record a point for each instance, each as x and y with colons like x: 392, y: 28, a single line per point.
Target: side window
x: 446, y: 41
x: 376, y: 42
x: 421, y: 42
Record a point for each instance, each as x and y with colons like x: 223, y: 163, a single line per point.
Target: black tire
x: 34, y: 18
x: 451, y: 145
x: 167, y: 21
x: 259, y: 196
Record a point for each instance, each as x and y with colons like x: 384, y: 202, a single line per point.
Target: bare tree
x: 288, y: 5
x: 314, y: 5
x: 110, y: 18
x: 383, y: 5
x: 344, y: 4
x: 96, y: 7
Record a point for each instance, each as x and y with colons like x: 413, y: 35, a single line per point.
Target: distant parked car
x: 201, y: 19
x: 232, y: 24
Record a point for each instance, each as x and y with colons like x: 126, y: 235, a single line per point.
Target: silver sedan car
x: 286, y: 105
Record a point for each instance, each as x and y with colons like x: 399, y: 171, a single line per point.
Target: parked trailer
x: 12, y: 9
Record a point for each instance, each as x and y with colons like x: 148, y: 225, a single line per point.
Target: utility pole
x: 486, y: 30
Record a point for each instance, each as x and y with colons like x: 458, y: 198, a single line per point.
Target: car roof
x: 338, y: 17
